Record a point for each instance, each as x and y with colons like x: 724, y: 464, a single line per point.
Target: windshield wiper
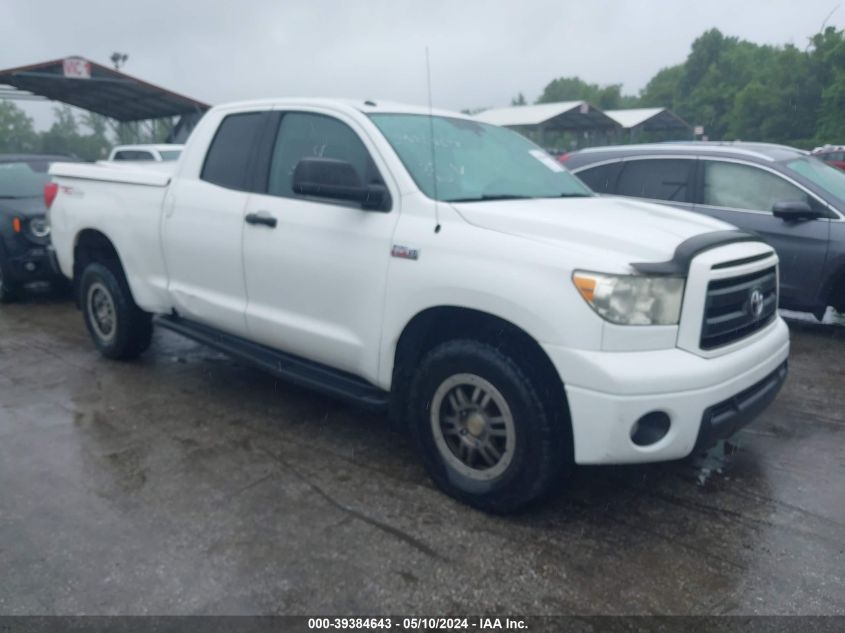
x: 486, y: 197
x: 575, y: 195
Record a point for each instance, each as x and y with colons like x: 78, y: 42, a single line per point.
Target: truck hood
x: 623, y: 229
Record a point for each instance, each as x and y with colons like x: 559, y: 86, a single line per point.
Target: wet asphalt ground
x: 186, y: 483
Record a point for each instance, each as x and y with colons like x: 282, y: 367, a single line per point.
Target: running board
x: 293, y: 369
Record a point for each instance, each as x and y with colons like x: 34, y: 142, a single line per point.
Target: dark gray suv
x: 795, y: 201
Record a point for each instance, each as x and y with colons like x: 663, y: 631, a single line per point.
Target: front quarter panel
x: 517, y: 280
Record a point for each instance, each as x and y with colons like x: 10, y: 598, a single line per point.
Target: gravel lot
x: 186, y: 483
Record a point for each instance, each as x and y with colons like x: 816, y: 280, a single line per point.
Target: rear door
x: 316, y: 268
x: 203, y: 223
x: 743, y: 195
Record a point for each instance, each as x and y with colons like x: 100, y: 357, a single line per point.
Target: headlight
x: 632, y: 299
x: 39, y: 227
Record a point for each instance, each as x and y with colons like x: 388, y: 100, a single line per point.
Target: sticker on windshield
x: 547, y: 160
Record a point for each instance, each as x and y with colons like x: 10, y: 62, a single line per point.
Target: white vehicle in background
x: 162, y: 152
x: 446, y: 270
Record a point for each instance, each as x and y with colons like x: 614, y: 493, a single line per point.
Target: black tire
x: 541, y: 450
x: 9, y: 291
x: 131, y: 328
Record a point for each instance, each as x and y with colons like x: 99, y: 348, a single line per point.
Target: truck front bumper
x: 704, y: 399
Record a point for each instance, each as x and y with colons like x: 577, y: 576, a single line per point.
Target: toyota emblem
x: 755, y: 303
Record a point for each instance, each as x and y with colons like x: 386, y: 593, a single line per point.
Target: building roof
x: 564, y: 115
x: 97, y: 88
x: 649, y: 118
x: 527, y: 114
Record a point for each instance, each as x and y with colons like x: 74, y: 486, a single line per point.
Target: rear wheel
x: 119, y: 328
x: 485, y: 435
x: 9, y: 291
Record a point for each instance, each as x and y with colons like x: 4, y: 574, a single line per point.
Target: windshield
x: 170, y: 154
x: 821, y: 174
x: 475, y: 161
x: 23, y: 179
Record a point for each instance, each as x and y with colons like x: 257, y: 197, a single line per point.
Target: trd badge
x: 404, y: 252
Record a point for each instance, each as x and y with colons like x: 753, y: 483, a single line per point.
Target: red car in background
x: 833, y: 155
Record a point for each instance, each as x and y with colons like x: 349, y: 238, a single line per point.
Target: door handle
x: 262, y: 217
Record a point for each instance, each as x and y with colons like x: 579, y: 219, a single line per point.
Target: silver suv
x: 793, y: 200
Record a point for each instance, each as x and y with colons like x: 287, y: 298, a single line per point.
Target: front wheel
x: 485, y: 434
x: 119, y: 328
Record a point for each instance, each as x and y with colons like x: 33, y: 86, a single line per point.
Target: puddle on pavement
x: 715, y: 464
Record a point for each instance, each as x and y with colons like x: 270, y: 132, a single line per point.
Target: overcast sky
x: 482, y: 53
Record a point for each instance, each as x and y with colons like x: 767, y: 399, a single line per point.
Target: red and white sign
x: 77, y: 68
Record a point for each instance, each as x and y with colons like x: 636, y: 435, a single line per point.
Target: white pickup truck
x: 446, y: 270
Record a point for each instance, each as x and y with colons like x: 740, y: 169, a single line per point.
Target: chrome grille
x: 738, y: 306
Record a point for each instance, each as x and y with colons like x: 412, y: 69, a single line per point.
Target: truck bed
x: 123, y: 203
x: 157, y: 175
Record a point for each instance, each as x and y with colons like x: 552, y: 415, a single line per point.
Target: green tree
x: 17, y: 133
x: 85, y: 136
x: 96, y: 144
x: 741, y: 90
x: 828, y: 61
x: 576, y: 89
x: 519, y: 100
x: 663, y: 89
x: 63, y: 135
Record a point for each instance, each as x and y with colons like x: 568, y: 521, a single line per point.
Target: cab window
x: 227, y: 161
x: 305, y: 135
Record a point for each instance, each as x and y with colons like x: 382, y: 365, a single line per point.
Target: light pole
x: 118, y: 59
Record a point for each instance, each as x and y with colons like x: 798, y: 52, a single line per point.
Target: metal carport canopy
x: 649, y: 119
x: 88, y: 85
x: 567, y: 115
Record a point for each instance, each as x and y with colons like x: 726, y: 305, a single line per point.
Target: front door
x: 743, y: 195
x: 316, y: 268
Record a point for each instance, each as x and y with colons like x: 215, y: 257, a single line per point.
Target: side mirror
x: 336, y: 179
x: 795, y: 211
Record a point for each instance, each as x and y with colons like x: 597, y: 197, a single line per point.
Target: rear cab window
x: 227, y: 162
